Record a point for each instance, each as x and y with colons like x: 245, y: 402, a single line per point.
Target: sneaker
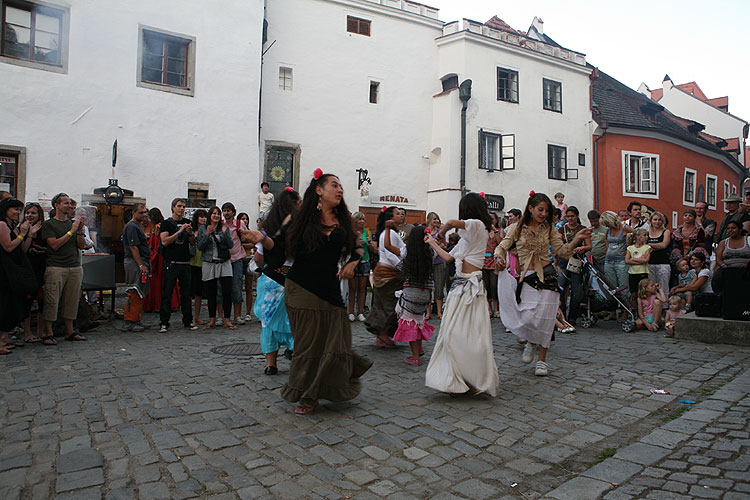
x: 361, y: 317
x: 352, y: 317
x: 542, y: 369
x: 249, y: 317
x: 163, y: 328
x: 239, y: 321
x: 192, y: 327
x: 528, y: 353
x: 219, y: 321
x: 132, y: 326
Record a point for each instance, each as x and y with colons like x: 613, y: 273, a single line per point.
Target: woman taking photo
x: 15, y: 241
x: 659, y: 237
x: 570, y: 228
x: 688, y: 238
x: 529, y: 307
x: 358, y: 284
x: 214, y: 241
x: 733, y: 252
x: 439, y: 268
x: 318, y: 238
x: 387, y: 278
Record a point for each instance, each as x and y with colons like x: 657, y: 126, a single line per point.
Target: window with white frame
x: 688, y: 187
x: 507, y: 85
x: 497, y: 151
x: 640, y: 174
x: 552, y: 95
x: 285, y: 78
x: 674, y: 220
x: 726, y: 193
x: 711, y: 191
x: 557, y: 162
x: 734, y: 189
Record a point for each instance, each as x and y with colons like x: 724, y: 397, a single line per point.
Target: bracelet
x: 69, y: 234
x: 20, y: 237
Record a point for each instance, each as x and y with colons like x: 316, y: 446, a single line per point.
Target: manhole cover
x: 242, y: 349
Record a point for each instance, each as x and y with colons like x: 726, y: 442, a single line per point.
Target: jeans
x: 174, y: 273
x: 575, y: 291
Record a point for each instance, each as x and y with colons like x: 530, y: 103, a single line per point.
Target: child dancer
x: 414, y: 299
x: 463, y: 360
x: 676, y: 309
x: 650, y: 300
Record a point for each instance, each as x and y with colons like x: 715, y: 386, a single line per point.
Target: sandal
x: 305, y: 410
x: 33, y: 340
x: 209, y: 326
x: 3, y: 350
x: 231, y: 327
x: 49, y: 340
x: 382, y: 345
x: 75, y: 337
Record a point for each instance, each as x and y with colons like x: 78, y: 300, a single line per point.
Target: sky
x: 636, y: 41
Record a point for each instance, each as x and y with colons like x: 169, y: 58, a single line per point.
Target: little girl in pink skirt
x: 414, y: 299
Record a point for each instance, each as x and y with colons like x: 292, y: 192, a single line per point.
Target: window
x: 507, y: 85
x: 711, y: 191
x: 34, y: 35
x: 726, y: 193
x: 9, y: 172
x: 674, y: 220
x: 285, y: 78
x: 557, y: 166
x: 640, y: 175
x: 552, y: 95
x: 358, y: 26
x: 688, y: 188
x: 734, y: 189
x: 497, y: 151
x: 374, y: 87
x: 581, y: 159
x: 166, y: 61
x: 450, y: 82
x: 279, y: 172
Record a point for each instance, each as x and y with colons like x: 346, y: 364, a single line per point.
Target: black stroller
x: 601, y: 296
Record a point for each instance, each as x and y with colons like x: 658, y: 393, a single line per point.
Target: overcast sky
x: 636, y: 41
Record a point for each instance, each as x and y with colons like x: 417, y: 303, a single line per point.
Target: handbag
x: 20, y: 274
x: 575, y: 264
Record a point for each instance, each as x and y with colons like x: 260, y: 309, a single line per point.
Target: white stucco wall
x: 534, y: 127
x: 717, y: 122
x: 327, y: 113
x: 165, y: 140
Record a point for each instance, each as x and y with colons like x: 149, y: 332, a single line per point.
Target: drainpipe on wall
x: 604, y: 126
x: 464, y: 93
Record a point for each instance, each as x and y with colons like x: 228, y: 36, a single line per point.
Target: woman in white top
x: 463, y: 360
x: 387, y: 280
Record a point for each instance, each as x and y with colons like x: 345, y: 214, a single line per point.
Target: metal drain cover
x: 241, y: 349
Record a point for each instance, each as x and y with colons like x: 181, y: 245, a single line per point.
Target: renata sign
x: 394, y: 198
x: 391, y: 199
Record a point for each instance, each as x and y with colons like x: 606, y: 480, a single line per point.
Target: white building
x: 172, y: 83
x: 528, y: 121
x: 348, y: 86
x: 689, y: 101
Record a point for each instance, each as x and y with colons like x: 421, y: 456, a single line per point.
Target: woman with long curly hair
x: 319, y: 237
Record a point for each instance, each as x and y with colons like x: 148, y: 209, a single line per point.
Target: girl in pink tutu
x: 414, y: 299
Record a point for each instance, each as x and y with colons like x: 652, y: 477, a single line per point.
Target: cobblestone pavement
x: 153, y: 416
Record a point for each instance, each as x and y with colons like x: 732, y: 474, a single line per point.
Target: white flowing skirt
x: 534, y: 318
x: 463, y: 358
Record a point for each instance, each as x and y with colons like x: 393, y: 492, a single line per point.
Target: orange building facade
x: 683, y: 175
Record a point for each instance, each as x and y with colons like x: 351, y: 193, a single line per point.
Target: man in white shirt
x: 265, y: 200
x: 635, y: 221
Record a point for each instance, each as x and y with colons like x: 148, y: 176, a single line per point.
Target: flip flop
x: 382, y: 345
x: 209, y: 326
x: 232, y: 327
x: 33, y: 340
x: 305, y: 410
x: 75, y: 338
x: 48, y: 340
x: 3, y: 350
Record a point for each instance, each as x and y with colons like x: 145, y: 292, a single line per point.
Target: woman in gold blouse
x: 529, y: 307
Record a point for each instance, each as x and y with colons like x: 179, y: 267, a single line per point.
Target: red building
x: 643, y: 152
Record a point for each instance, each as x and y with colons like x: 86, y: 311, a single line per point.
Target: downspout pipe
x: 604, y: 126
x: 464, y: 93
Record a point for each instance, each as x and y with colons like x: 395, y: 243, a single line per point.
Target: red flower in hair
x: 481, y: 194
x: 289, y: 188
x: 531, y: 193
x: 384, y: 208
x: 317, y: 174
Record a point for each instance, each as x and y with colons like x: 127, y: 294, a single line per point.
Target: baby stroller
x: 601, y: 296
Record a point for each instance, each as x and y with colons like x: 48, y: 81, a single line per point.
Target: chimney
x: 538, y: 24
x: 667, y: 83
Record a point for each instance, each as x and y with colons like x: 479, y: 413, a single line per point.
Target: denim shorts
x: 362, y: 269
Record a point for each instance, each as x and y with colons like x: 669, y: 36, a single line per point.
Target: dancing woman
x: 319, y: 236
x: 382, y: 320
x: 529, y: 307
x: 462, y: 360
x: 269, y: 306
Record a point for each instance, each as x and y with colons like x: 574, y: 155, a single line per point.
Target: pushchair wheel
x: 586, y: 322
x: 628, y: 325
